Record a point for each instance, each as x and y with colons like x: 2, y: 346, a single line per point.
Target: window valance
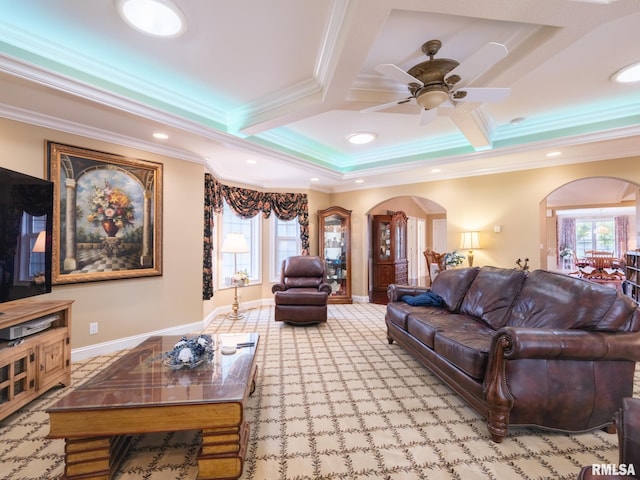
x: 249, y: 203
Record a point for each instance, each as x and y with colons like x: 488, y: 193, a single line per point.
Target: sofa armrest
x: 395, y: 291
x: 325, y: 287
x: 517, y: 343
x: 278, y: 287
x: 545, y: 343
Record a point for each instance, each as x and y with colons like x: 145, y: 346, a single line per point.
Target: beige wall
x: 511, y: 200
x: 132, y: 307
x: 128, y: 307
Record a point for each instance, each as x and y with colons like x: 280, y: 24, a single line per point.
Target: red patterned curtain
x: 622, y: 236
x: 249, y: 203
x: 566, y: 236
x: 207, y: 263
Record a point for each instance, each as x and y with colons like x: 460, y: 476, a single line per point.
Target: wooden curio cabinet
x: 334, y: 226
x: 389, y: 256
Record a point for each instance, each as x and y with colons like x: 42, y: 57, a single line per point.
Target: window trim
x: 255, y: 249
x: 274, y: 265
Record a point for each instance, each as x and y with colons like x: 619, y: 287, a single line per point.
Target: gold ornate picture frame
x: 107, y: 215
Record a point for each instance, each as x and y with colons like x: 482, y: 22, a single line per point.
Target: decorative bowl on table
x: 189, y: 352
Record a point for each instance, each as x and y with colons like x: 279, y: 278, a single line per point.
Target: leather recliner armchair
x: 301, y: 296
x: 627, y: 422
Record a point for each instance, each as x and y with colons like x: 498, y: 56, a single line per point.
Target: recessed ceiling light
x: 360, y: 138
x: 629, y: 74
x: 160, y: 136
x: 314, y: 179
x: 436, y: 170
x: 554, y: 154
x: 359, y: 180
x: 160, y: 18
x: 251, y: 161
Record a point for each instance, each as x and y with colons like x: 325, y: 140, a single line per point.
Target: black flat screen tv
x: 26, y: 228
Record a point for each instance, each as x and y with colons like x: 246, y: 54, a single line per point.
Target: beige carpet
x: 333, y: 401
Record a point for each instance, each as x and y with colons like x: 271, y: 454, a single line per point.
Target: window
x: 31, y: 263
x: 244, y: 262
x: 607, y: 229
x: 285, y: 243
x: 594, y: 234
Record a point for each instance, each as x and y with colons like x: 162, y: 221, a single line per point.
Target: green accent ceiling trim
x: 169, y: 92
x: 568, y: 132
x: 409, y: 159
x: 279, y: 148
x: 421, y: 156
x: 604, y: 116
x: 109, y: 86
x: 304, y: 146
x: 284, y: 138
x: 60, y: 40
x: 432, y: 148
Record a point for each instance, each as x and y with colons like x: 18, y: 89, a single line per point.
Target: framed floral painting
x: 107, y: 215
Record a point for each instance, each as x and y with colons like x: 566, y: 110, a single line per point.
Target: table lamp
x: 469, y: 241
x: 40, y: 246
x: 234, y: 243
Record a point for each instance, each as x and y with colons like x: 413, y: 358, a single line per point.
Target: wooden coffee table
x: 139, y: 394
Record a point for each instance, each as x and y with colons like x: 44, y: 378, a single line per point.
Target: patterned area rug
x: 333, y: 401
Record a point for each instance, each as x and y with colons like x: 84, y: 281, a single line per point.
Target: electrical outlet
x: 93, y: 328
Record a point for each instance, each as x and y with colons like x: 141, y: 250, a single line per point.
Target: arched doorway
x: 426, y: 229
x: 589, y: 214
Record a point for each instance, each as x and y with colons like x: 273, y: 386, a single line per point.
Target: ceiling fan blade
x: 387, y: 105
x: 481, y: 94
x: 427, y: 116
x: 392, y: 71
x: 474, y: 126
x: 480, y: 61
x: 448, y: 103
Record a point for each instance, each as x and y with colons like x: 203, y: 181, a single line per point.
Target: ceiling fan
x: 442, y: 82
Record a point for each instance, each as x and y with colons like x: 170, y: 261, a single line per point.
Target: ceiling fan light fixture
x: 431, y: 98
x: 628, y: 74
x: 159, y: 18
x: 361, y: 138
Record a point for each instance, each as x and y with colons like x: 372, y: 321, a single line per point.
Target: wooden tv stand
x: 41, y: 360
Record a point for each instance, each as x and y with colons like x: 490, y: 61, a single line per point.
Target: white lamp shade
x: 39, y: 246
x: 234, y: 243
x: 469, y: 241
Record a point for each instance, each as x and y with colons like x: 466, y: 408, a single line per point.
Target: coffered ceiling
x: 282, y: 83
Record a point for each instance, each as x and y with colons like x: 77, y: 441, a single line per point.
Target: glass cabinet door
x: 389, y: 256
x: 383, y: 241
x: 334, y: 247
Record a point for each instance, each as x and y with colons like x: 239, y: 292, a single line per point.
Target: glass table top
x: 142, y: 378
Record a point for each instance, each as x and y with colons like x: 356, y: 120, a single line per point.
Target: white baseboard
x: 107, y: 348
x: 364, y: 299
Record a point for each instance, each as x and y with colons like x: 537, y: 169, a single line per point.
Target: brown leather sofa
x: 301, y: 296
x: 627, y: 422
x: 543, y: 349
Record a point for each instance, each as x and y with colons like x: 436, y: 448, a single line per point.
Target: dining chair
x: 433, y: 258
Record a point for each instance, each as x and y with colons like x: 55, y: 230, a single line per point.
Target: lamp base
x: 235, y: 306
x: 470, y: 258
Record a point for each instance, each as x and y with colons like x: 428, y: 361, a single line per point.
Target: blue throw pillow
x: 426, y: 299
